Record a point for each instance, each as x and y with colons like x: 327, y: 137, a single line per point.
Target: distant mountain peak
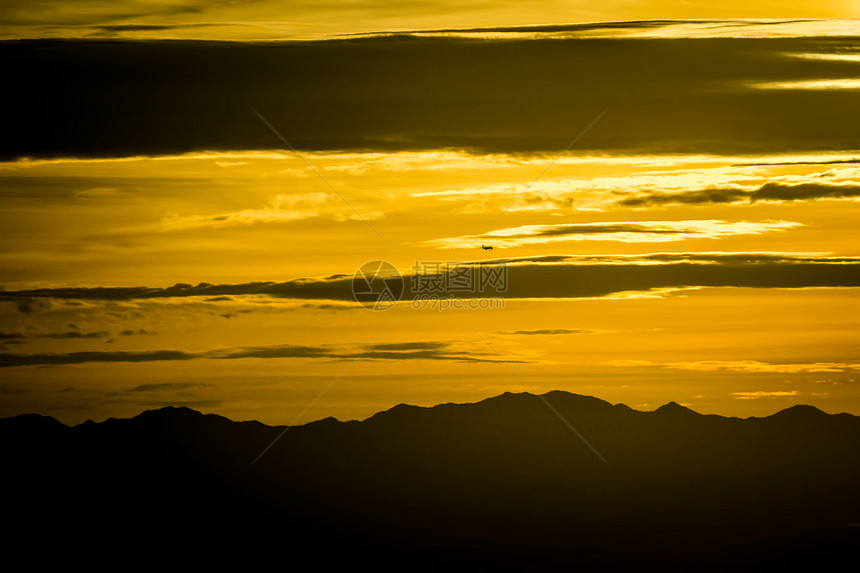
x: 170, y: 412
x: 509, y: 395
x: 801, y: 411
x: 561, y: 394
x: 397, y: 411
x: 33, y: 420
x: 674, y: 408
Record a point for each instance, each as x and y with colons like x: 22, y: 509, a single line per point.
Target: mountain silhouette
x: 500, y: 484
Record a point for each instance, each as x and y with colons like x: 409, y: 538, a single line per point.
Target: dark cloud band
x: 552, y: 276
x: 767, y: 192
x: 121, y: 98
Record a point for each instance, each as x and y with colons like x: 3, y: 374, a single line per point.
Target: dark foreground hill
x: 503, y: 483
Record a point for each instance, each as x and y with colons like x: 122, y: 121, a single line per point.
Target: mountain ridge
x: 669, y: 407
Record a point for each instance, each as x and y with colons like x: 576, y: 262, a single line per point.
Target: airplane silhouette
x: 490, y: 248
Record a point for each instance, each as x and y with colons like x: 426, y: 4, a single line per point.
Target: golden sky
x: 674, y: 206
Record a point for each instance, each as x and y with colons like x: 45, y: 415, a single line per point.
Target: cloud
x: 804, y: 192
x: 768, y: 192
x: 751, y: 366
x: 762, y: 394
x: 11, y: 336
x: 138, y: 332
x: 167, y: 386
x: 664, y: 28
x: 49, y: 359
x: 181, y: 290
x: 800, y: 162
x: 18, y: 338
x: 696, y: 197
x: 485, y: 96
x: 396, y: 351
x: 554, y: 331
x: 627, y: 232
x: 756, y: 366
x: 73, y: 334
x: 282, y: 208
x: 31, y: 305
x: 185, y: 403
x: 829, y: 84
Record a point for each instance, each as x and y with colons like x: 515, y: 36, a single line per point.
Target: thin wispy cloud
x: 626, y: 232
x: 774, y: 192
x: 748, y: 366
x: 18, y: 337
x: 138, y: 332
x: 446, y: 351
x: 852, y: 84
x: 764, y: 367
x: 655, y: 186
x: 72, y: 334
x: 554, y: 331
x: 764, y: 394
x: 263, y: 20
x: 168, y: 386
x: 281, y: 209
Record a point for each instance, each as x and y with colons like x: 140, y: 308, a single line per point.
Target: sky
x: 280, y: 216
